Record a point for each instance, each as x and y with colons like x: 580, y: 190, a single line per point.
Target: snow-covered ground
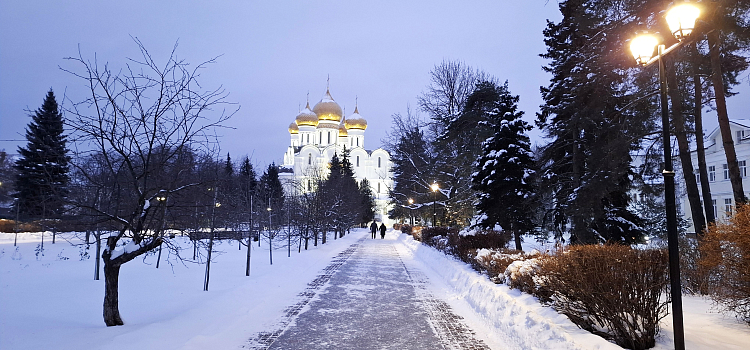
x: 54, y: 303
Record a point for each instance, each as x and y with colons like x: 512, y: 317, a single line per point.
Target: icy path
x: 367, y: 298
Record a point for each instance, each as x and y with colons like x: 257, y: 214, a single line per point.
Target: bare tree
x: 140, y: 120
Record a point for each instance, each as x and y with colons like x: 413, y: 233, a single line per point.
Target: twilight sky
x: 275, y: 52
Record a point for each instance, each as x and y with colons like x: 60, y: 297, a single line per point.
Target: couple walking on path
x: 374, y: 230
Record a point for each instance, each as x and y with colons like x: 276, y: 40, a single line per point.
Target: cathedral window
x: 357, y: 161
x: 357, y: 142
x: 378, y: 162
x: 309, y: 159
x: 378, y: 187
x: 329, y: 138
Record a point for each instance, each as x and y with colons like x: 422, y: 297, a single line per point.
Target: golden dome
x: 355, y: 121
x: 342, y: 130
x: 293, y: 128
x: 307, y: 117
x: 328, y: 109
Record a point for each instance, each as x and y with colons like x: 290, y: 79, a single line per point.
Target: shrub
x: 612, y: 291
x: 496, y: 261
x: 524, y: 275
x: 725, y: 253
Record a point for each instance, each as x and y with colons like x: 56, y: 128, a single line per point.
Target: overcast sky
x: 275, y: 52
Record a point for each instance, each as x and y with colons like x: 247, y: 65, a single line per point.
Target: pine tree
x: 42, y: 179
x: 367, y: 202
x: 412, y: 172
x: 505, y: 170
x: 587, y: 164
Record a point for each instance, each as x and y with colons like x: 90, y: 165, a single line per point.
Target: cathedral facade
x: 319, y: 133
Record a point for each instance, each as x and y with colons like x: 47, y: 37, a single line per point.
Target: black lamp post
x: 411, y: 212
x: 435, y: 187
x: 681, y: 19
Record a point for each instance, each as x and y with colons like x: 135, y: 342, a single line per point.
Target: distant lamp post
x: 269, y: 217
x: 435, y: 187
x: 411, y: 212
x: 681, y: 20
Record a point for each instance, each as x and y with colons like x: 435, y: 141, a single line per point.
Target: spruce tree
x: 367, y: 206
x: 42, y: 178
x: 587, y: 165
x: 504, y: 172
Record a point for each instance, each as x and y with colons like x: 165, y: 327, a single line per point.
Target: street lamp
x: 681, y: 20
x: 411, y: 212
x: 435, y: 187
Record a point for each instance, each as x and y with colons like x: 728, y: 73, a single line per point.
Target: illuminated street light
x: 681, y: 19
x: 411, y: 212
x: 435, y: 187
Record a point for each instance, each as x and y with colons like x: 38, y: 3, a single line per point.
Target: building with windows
x: 319, y: 133
x: 722, y: 200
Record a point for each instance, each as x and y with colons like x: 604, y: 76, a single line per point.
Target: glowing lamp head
x: 411, y: 201
x: 434, y: 187
x: 681, y: 19
x: 643, y: 47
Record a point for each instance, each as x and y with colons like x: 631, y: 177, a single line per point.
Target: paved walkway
x: 367, y: 298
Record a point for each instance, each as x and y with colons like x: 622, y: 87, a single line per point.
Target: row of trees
x: 144, y: 166
x: 600, y: 114
x: 473, y: 146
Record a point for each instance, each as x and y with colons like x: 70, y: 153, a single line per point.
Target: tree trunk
x: 678, y: 121
x: 723, y: 117
x: 517, y: 236
x: 111, y: 301
x: 699, y: 145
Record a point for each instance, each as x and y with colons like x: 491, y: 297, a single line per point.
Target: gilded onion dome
x: 342, y: 130
x: 293, y: 128
x: 355, y: 121
x: 306, y: 117
x: 328, y: 109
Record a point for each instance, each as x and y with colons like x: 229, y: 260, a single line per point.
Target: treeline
x: 601, y: 120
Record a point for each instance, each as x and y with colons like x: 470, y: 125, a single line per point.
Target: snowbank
x: 519, y: 317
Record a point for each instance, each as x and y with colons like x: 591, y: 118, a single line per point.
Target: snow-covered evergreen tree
x: 505, y: 170
x: 587, y: 165
x: 42, y: 178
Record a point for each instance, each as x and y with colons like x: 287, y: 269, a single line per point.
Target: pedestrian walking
x: 382, y: 231
x: 374, y: 229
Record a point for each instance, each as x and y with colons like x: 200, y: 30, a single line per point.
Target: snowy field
x: 50, y: 302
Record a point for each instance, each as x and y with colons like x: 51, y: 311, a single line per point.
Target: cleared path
x: 368, y: 299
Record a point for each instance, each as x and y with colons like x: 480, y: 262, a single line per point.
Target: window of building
x: 308, y: 138
x: 726, y: 171
x: 320, y: 136
x: 309, y: 185
x: 309, y: 159
x: 711, y: 173
x: 358, y: 161
x: 378, y: 187
x: 357, y: 142
x: 378, y: 162
x: 740, y: 136
x: 716, y: 210
x: 329, y: 138
x: 728, y: 206
x: 697, y: 176
x: 351, y: 142
x: 743, y: 168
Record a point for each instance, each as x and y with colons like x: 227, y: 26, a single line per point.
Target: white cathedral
x: 318, y: 134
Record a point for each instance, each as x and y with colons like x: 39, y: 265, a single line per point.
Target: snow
x: 128, y: 248
x: 48, y: 302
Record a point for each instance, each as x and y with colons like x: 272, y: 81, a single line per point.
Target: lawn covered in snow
x: 53, y: 302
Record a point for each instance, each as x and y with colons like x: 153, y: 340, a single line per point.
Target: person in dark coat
x: 374, y: 229
x: 382, y: 231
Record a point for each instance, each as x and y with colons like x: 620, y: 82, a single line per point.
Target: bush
x: 612, y: 291
x: 725, y: 253
x: 496, y: 261
x: 449, y: 241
